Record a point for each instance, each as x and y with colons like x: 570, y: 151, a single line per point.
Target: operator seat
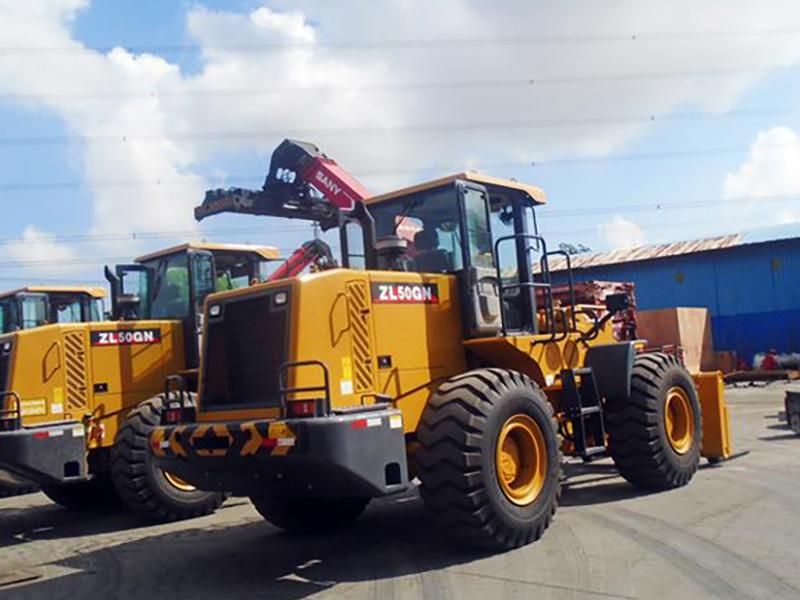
x: 430, y: 258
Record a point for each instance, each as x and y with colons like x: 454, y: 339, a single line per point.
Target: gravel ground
x: 732, y: 533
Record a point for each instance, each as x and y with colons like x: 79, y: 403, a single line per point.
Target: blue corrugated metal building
x: 751, y: 285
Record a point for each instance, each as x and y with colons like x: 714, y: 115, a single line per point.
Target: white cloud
x: 52, y: 259
x: 298, y: 84
x: 620, y: 233
x: 772, y: 169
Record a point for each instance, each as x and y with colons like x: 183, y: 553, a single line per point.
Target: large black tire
x: 637, y: 427
x: 144, y: 487
x: 97, y: 493
x: 456, y: 460
x: 309, y: 515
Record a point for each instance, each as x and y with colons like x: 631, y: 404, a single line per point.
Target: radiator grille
x: 358, y: 307
x: 245, y: 347
x: 75, y: 361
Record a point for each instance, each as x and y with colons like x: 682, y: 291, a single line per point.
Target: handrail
x: 285, y: 391
x: 15, y: 413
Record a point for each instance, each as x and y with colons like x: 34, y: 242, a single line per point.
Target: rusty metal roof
x: 585, y: 261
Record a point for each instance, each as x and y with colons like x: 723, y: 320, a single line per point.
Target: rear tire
x: 144, y: 487
x: 309, y: 515
x: 481, y: 486
x: 97, y: 493
x: 648, y: 452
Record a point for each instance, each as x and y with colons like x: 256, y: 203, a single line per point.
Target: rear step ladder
x: 584, y: 412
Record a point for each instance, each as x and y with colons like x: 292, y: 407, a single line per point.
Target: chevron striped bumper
x: 355, y: 454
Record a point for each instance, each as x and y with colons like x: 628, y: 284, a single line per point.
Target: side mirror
x: 617, y: 303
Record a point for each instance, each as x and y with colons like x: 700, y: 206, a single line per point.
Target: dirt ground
x: 732, y: 533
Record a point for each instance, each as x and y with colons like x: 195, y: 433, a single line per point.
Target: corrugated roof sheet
x: 651, y: 252
x: 583, y: 261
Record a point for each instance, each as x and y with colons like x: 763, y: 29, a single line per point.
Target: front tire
x: 489, y: 459
x: 144, y: 487
x: 655, y: 435
x: 309, y: 515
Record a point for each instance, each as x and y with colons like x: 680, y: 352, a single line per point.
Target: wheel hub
x: 178, y: 483
x: 521, y: 460
x: 679, y: 420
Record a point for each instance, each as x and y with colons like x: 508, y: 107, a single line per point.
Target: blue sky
x: 596, y: 173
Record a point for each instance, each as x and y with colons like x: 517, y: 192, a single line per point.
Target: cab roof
x: 494, y: 185
x: 94, y: 292
x: 265, y: 252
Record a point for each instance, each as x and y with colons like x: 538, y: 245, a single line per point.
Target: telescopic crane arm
x: 313, y: 252
x: 302, y: 183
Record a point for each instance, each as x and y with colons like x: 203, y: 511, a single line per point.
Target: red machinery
x: 302, y: 183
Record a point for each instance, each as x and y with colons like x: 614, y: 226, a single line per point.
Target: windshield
x: 429, y: 222
x: 65, y: 308
x: 238, y: 270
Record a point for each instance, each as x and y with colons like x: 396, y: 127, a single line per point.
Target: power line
x: 555, y: 214
x: 524, y: 82
x: 159, y: 182
x: 96, y: 261
x: 426, y: 128
x: 414, y: 44
x: 544, y: 213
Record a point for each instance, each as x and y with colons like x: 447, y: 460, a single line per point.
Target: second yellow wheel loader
x: 81, y: 396
x: 435, y: 352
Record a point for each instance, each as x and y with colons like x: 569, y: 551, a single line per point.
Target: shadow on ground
x: 50, y: 521
x: 255, y: 560
x: 251, y: 559
x: 595, y: 483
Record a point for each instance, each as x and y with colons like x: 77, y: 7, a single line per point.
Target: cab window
x: 171, y: 288
x: 480, y: 239
x: 428, y: 221
x: 96, y: 309
x: 67, y: 311
x: 6, y: 317
x: 34, y: 312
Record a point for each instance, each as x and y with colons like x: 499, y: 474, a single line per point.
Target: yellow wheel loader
x: 37, y: 305
x: 435, y: 352
x: 81, y: 396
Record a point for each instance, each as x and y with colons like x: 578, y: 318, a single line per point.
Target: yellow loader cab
x: 439, y: 353
x: 80, y: 395
x: 37, y: 305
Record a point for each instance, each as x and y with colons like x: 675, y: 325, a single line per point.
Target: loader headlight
x: 281, y: 298
x: 214, y: 310
x: 6, y: 346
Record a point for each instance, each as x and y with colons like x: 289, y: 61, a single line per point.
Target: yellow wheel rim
x: 178, y: 483
x: 679, y: 420
x: 521, y: 459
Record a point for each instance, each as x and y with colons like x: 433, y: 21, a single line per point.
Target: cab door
x: 202, y: 282
x: 130, y: 292
x: 482, y: 306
